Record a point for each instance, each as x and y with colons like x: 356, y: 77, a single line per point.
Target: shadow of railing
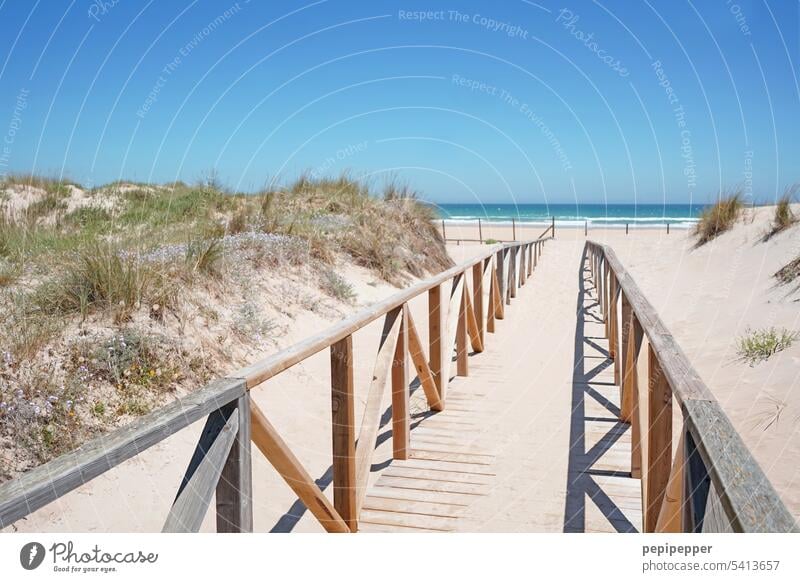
x: 581, y: 485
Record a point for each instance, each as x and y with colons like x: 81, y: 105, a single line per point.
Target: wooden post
x: 480, y: 231
x: 235, y: 487
x: 635, y: 337
x: 613, y: 345
x: 477, y: 298
x: 492, y: 307
x: 344, y: 431
x: 530, y: 258
x: 513, y: 230
x: 523, y: 268
x: 401, y: 440
x: 436, y: 343
x: 586, y: 228
x: 659, y: 440
x: 500, y: 265
x: 444, y: 233
x: 670, y: 516
x: 553, y: 226
x: 512, y: 273
x: 626, y: 228
x: 668, y: 228
x: 462, y: 352
x: 625, y: 397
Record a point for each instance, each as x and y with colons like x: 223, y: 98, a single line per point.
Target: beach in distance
x: 572, y: 215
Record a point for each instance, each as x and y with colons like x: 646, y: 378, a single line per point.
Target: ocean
x: 678, y: 215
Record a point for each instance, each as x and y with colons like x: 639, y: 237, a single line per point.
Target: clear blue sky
x: 511, y: 101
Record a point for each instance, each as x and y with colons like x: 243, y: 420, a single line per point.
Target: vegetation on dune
x: 758, y: 345
x: 784, y: 215
x: 789, y: 272
x: 719, y: 217
x: 98, y: 285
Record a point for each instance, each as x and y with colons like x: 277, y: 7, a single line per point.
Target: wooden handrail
x: 721, y: 486
x: 221, y: 460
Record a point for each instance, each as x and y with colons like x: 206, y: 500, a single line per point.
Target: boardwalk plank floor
x: 530, y: 440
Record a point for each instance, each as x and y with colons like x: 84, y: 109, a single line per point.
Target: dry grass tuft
x: 784, y: 216
x: 718, y: 218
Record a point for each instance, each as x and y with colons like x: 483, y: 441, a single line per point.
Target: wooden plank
x: 490, y: 312
x: 431, y: 485
x: 200, y: 482
x: 433, y: 475
x: 669, y: 517
x: 462, y: 352
x: 499, y: 306
x: 343, y: 431
x: 234, y: 494
x: 413, y: 507
x: 632, y: 387
x: 401, y: 434
x: 625, y: 396
x: 449, y: 457
x: 659, y: 441
x: 438, y: 356
x: 472, y: 325
x: 370, y: 420
x: 432, y: 465
x: 273, y: 447
x: 501, y: 279
x: 407, y: 520
x: 424, y: 373
x: 49, y: 481
x: 478, y: 272
x: 387, y: 492
x: 613, y: 344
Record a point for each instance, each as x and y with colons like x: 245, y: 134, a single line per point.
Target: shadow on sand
x: 581, y: 484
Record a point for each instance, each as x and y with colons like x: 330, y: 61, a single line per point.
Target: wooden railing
x: 221, y: 462
x: 550, y: 230
x: 709, y: 482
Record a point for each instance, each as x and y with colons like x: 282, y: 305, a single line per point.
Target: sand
x: 707, y: 297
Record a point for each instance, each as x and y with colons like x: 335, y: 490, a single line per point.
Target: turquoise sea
x: 573, y: 214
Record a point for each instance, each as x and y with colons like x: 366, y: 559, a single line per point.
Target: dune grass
x: 96, y: 286
x: 758, y: 345
x: 719, y: 217
x: 784, y: 217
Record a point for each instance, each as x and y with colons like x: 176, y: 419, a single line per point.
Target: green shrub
x: 337, y: 286
x: 204, y: 256
x: 101, y: 276
x: 757, y: 346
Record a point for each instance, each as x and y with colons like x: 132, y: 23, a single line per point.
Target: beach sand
x: 707, y: 297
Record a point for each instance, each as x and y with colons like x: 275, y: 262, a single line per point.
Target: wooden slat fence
x: 708, y: 482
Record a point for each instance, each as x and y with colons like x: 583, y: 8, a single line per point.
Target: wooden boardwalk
x: 530, y: 440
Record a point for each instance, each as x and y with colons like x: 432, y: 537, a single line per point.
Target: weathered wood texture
x: 235, y: 486
x: 401, y: 430
x: 343, y: 426
x: 205, y: 468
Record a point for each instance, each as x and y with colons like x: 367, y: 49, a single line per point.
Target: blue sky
x: 512, y: 101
